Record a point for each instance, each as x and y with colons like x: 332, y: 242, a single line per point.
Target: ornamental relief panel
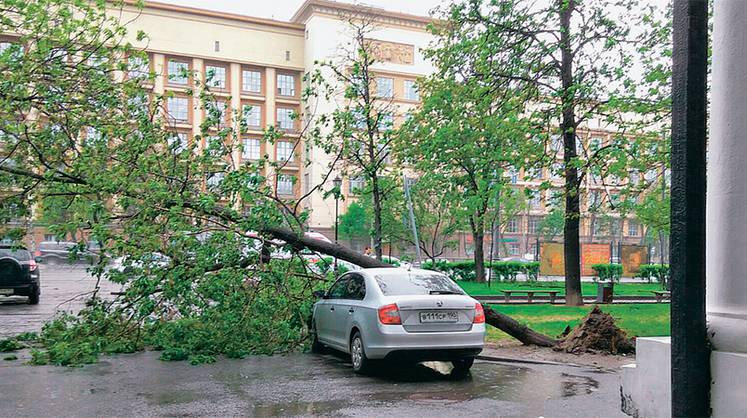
x: 393, y: 52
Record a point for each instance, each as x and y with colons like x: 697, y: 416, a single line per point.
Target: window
x: 285, y: 119
x: 514, y: 248
x: 632, y: 228
x: 556, y: 173
x: 532, y: 224
x: 556, y: 143
x: 513, y: 176
x: 416, y: 283
x: 285, y: 184
x: 177, y: 72
x: 634, y: 177
x: 596, y: 227
x: 535, y: 200
x: 614, y: 199
x: 338, y: 290
x: 355, y: 288
x: 411, y: 90
x: 251, y: 81
x: 534, y: 173
x: 512, y: 226
x: 4, y: 46
x: 214, y: 180
x: 595, y: 142
x: 286, y: 85
x: 138, y: 67
x: 532, y: 249
x: 356, y: 183
x: 217, y: 112
x: 93, y: 136
x: 214, y: 145
x: 595, y: 199
x: 215, y: 76
x: 252, y: 116
x: 285, y: 151
x: 386, y: 121
x: 178, y: 108
x: 178, y: 142
x: 384, y: 87
x: 251, y: 149
x: 359, y: 119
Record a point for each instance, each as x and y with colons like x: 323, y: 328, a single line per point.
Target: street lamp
x: 338, y: 183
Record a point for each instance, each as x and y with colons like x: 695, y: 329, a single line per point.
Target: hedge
x: 608, y: 272
x: 659, y: 272
x: 503, y: 270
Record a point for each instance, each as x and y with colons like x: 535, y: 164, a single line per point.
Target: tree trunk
x: 375, y: 190
x: 571, y: 244
x: 513, y: 328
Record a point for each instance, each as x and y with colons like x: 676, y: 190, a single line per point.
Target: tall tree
x: 361, y: 128
x: 574, y: 60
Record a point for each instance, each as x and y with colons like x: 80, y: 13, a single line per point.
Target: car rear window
x: 416, y: 284
x: 20, y: 255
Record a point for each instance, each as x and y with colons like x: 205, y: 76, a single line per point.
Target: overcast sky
x: 284, y: 9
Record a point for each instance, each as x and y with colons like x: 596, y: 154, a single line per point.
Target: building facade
x: 255, y: 67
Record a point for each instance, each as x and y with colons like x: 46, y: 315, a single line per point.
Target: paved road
x: 301, y: 385
x: 62, y: 290
x: 293, y: 385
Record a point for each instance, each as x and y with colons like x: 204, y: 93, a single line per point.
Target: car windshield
x: 416, y: 284
x: 18, y: 254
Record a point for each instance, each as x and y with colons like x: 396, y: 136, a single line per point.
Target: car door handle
x: 351, y: 310
x: 332, y: 308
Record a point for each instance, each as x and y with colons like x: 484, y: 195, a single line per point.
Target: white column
x: 726, y: 217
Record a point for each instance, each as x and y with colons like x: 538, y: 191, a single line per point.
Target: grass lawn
x: 587, y: 288
x: 640, y: 320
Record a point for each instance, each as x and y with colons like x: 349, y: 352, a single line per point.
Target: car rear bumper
x: 392, y: 341
x: 26, y: 289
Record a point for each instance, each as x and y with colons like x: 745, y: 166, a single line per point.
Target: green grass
x: 587, y: 288
x: 640, y: 320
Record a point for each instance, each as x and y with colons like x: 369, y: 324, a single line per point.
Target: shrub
x: 10, y: 344
x: 502, y: 270
x: 658, y: 272
x: 608, y: 272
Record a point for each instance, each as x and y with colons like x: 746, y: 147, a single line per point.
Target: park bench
x: 660, y: 295
x: 530, y: 294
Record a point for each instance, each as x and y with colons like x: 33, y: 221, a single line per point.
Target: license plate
x: 6, y: 291
x: 439, y: 316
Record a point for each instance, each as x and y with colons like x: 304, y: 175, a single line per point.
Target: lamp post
x: 338, y: 183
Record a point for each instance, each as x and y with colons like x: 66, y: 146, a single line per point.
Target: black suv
x: 19, y: 274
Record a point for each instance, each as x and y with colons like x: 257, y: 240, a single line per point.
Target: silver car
x: 399, y: 314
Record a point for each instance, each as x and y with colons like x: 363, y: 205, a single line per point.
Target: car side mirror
x: 319, y: 294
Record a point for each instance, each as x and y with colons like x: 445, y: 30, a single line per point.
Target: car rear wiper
x: 443, y: 292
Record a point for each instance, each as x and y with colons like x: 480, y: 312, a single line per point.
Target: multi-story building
x: 255, y: 67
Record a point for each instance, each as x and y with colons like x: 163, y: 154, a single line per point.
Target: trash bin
x: 604, y: 292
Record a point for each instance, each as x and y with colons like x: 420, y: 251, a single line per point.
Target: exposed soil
x: 515, y: 350
x: 597, y: 332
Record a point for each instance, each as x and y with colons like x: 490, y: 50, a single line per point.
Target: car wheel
x: 361, y: 363
x: 34, y: 298
x: 462, y: 366
x: 316, y: 346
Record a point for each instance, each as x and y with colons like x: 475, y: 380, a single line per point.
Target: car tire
x: 462, y: 366
x: 316, y: 346
x: 34, y: 297
x: 361, y: 363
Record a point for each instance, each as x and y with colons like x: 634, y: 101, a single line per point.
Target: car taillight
x: 37, y: 253
x: 479, y: 314
x: 389, y: 315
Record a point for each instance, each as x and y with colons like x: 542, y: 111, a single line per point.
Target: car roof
x: 394, y: 271
x: 12, y: 247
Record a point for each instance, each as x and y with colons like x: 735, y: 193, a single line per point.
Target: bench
x: 530, y: 294
x: 660, y: 295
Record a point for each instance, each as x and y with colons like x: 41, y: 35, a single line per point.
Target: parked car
x: 58, y: 252
x: 397, y: 314
x: 19, y: 273
x: 130, y: 264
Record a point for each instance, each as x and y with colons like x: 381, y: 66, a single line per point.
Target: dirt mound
x: 597, y: 332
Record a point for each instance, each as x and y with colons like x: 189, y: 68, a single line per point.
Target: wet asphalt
x: 140, y: 385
